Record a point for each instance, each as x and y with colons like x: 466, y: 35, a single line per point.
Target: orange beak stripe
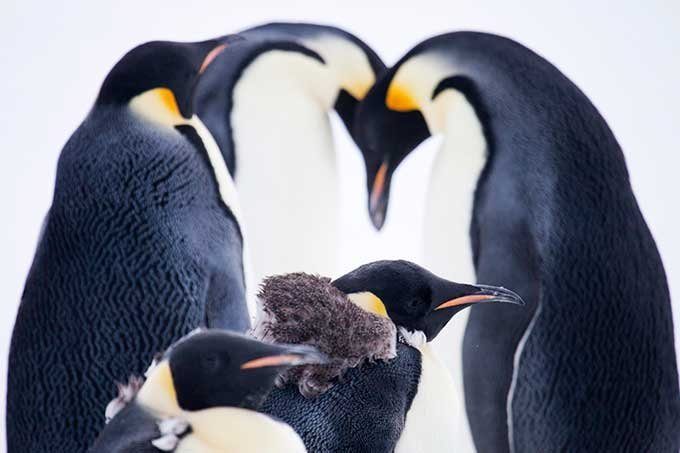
x: 211, y: 57
x: 272, y: 360
x: 378, y: 184
x: 471, y: 299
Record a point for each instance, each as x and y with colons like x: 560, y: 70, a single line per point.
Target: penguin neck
x: 285, y: 158
x: 433, y: 409
x: 158, y: 393
x: 148, y: 107
x: 453, y: 181
x: 225, y: 182
x: 273, y: 101
x: 280, y: 115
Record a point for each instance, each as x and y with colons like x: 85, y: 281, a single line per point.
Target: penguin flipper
x: 226, y: 306
x: 131, y: 431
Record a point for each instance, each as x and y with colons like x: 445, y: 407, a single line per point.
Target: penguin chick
x: 303, y: 308
x: 389, y: 405
x: 202, y: 396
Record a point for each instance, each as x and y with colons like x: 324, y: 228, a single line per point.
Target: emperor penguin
x: 202, y: 396
x: 276, y: 90
x: 376, y: 393
x: 141, y: 245
x: 531, y: 175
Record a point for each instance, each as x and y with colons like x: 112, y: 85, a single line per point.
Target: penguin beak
x: 185, y: 101
x: 210, y: 57
x: 289, y: 356
x: 484, y: 293
x: 466, y: 295
x: 379, y: 196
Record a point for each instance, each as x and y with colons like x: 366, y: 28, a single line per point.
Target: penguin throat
x: 282, y: 140
x: 414, y: 338
x: 347, y: 61
x: 453, y: 181
x: 158, y: 392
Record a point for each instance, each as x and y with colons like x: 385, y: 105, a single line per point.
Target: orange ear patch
x: 168, y: 99
x: 400, y: 99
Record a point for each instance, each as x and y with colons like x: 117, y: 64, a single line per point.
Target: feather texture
x: 301, y: 308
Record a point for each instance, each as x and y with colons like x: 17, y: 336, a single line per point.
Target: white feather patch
x: 415, y: 338
x: 171, y: 430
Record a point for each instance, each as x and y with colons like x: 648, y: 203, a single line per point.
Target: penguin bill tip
x: 500, y: 294
x: 378, y: 219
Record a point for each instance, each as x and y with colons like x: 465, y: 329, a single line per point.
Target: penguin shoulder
x: 132, y: 429
x: 230, y: 429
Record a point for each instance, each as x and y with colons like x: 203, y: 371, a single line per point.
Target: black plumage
x: 137, y: 249
x: 356, y: 402
x: 555, y: 219
x: 214, y: 94
x: 365, y: 412
x: 359, y: 400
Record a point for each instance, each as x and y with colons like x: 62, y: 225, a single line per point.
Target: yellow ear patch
x: 358, y: 89
x: 369, y: 302
x: 158, y: 105
x: 158, y: 392
x: 167, y: 97
x: 399, y: 98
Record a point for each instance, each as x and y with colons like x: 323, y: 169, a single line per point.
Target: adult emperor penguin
x: 390, y: 397
x: 277, y: 88
x: 141, y: 245
x: 532, y: 168
x: 202, y: 397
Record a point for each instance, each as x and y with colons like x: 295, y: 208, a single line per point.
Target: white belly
x: 446, y: 241
x: 432, y: 422
x: 286, y: 178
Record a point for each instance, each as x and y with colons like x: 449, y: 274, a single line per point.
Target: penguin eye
x: 210, y: 362
x: 413, y: 304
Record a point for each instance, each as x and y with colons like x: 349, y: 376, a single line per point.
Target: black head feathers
x: 171, y: 65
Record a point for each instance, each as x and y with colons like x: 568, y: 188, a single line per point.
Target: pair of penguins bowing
x: 214, y: 391
x: 147, y: 239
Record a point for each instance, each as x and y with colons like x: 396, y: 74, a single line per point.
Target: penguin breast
x: 236, y: 430
x: 429, y: 425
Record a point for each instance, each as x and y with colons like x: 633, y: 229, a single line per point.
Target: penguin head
x: 414, y: 298
x: 405, y: 106
x: 216, y: 368
x: 350, y: 62
x: 159, y: 78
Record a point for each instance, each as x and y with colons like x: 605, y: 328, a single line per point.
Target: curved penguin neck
x: 273, y: 100
x: 453, y: 181
x: 526, y: 106
x: 284, y: 149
